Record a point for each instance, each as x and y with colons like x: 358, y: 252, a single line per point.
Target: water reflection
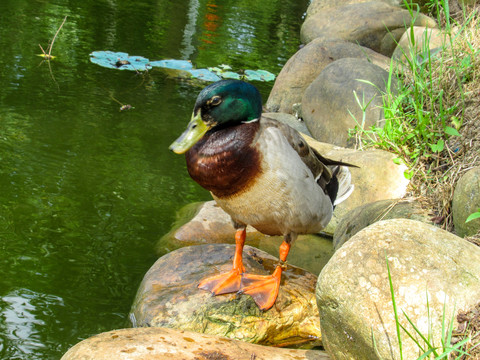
x: 22, y: 330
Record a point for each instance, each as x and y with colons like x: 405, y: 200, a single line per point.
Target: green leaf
x: 475, y: 215
x: 397, y: 161
x: 451, y: 131
x: 438, y: 147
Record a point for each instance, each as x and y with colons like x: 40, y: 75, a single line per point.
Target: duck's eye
x: 214, y: 101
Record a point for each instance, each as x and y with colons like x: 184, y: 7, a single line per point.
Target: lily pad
x: 172, y: 64
x: 204, y: 74
x: 119, y: 60
x: 124, y: 61
x: 220, y: 71
x: 259, y: 75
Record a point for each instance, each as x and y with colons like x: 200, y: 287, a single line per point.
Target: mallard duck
x: 263, y: 174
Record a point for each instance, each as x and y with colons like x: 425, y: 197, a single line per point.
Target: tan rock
x: 169, y: 344
x: 317, y: 5
x: 365, y: 215
x: 169, y: 297
x: 414, y: 42
x: 290, y: 120
x: 354, y: 297
x: 329, y: 104
x: 377, y: 178
x: 307, y: 63
x: 370, y: 24
x: 466, y: 200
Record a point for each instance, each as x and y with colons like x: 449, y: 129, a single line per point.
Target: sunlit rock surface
x: 330, y: 106
x: 169, y: 344
x: 169, y: 297
x: 375, y: 24
x: 307, y: 63
x: 432, y: 271
x: 363, y: 216
x: 376, y: 178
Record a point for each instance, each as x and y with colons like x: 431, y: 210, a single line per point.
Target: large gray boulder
x: 330, y: 107
x: 307, y: 63
x: 433, y: 273
x: 373, y: 24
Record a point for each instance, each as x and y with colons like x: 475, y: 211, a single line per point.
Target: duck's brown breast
x: 224, y: 161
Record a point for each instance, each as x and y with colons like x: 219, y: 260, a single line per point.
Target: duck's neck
x: 224, y: 161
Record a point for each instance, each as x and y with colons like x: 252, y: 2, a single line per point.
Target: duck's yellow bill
x: 195, y: 130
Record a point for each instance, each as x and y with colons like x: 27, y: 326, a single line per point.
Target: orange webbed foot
x: 224, y: 283
x: 262, y: 288
x: 230, y: 281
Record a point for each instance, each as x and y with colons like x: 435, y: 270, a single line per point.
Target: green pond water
x: 87, y: 190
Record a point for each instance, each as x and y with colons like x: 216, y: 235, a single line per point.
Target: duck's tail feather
x: 345, y: 186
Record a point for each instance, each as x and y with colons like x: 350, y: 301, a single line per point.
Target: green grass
x: 425, y: 342
x: 473, y: 216
x: 420, y: 116
x: 429, y: 106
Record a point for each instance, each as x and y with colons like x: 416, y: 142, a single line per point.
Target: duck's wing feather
x: 322, y: 168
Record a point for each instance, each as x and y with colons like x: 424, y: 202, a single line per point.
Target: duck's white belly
x: 285, y: 198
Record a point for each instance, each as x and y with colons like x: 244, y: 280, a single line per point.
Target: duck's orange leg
x: 230, y: 281
x: 264, y: 288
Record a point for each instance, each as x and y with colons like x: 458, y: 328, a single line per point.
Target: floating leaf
x: 172, y: 64
x: 259, y: 75
x: 204, y: 74
x: 230, y: 75
x: 123, y: 61
x: 119, y: 60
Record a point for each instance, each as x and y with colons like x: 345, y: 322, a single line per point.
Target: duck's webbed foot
x: 262, y: 288
x: 225, y: 283
x: 230, y: 281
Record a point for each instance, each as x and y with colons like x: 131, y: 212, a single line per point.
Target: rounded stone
x: 307, y: 63
x: 433, y: 273
x: 168, y: 297
x: 466, y: 200
x: 330, y: 107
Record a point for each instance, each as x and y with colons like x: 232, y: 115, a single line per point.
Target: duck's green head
x: 221, y: 104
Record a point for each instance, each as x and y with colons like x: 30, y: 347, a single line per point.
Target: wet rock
x: 365, y: 215
x: 329, y: 101
x: 377, y: 178
x: 202, y: 223
x: 168, y: 344
x: 169, y: 297
x: 414, y: 44
x: 307, y: 63
x: 354, y: 297
x: 207, y: 223
x: 466, y: 200
x: 373, y: 24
